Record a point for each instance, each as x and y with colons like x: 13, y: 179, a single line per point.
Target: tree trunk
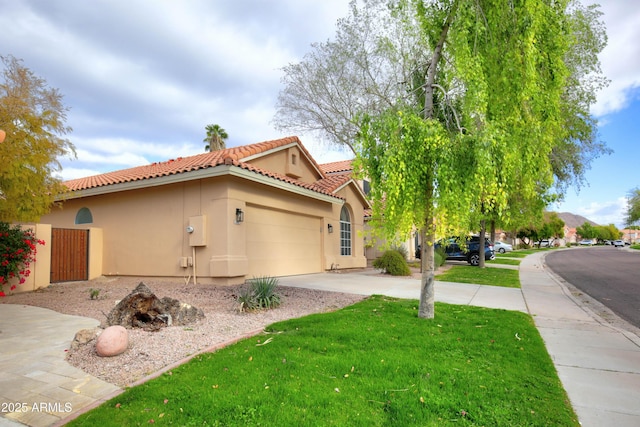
x: 427, y: 234
x: 492, y: 235
x: 481, y: 249
x: 426, y: 309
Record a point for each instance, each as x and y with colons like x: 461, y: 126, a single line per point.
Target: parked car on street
x: 618, y: 243
x: 469, y: 252
x: 586, y: 242
x: 502, y: 247
x: 543, y: 243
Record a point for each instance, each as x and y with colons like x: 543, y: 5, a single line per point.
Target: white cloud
x: 605, y: 213
x: 620, y: 59
x: 74, y: 173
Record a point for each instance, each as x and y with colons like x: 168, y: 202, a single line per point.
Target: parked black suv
x: 469, y: 252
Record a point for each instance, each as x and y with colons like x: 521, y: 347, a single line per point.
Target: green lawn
x: 481, y: 276
x: 371, y: 364
x: 501, y: 259
x: 517, y: 254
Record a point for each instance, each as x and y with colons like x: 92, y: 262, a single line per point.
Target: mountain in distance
x: 573, y: 220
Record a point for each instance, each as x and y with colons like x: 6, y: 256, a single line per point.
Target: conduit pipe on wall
x: 195, y: 280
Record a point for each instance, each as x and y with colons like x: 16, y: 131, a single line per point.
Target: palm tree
x: 215, y: 139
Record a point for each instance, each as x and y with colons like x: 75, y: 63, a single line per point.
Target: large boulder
x: 143, y: 309
x: 112, y: 341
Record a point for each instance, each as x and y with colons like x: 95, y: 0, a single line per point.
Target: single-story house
x: 265, y: 209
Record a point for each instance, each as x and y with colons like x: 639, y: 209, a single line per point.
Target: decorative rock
x: 112, y: 341
x: 84, y: 336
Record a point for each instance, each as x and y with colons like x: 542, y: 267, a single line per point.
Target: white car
x: 502, y: 247
x: 618, y: 243
x: 586, y: 242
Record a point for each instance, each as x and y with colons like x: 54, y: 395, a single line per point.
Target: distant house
x: 630, y: 236
x: 222, y: 216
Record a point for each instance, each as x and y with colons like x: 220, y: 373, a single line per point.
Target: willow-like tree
x: 215, y: 139
x: 34, y: 119
x: 458, y: 106
x: 633, y: 207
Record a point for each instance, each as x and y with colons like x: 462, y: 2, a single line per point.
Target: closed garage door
x: 282, y: 243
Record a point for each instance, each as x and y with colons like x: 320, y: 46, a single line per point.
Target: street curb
x: 591, y: 306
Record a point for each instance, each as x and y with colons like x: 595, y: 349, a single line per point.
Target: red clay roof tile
x: 230, y: 156
x: 343, y: 166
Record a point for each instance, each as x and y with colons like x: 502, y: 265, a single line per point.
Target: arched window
x: 345, y: 231
x: 84, y: 216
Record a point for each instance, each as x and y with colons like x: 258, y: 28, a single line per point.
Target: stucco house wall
x: 287, y: 203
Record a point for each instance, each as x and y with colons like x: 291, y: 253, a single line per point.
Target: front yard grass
x: 517, y: 254
x: 501, y: 259
x: 481, y: 276
x: 374, y: 363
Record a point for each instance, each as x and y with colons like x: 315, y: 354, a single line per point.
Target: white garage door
x: 282, y: 243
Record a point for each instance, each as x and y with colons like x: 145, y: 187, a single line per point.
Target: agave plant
x: 261, y: 293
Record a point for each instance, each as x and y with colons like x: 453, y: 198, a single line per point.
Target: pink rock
x: 112, y: 341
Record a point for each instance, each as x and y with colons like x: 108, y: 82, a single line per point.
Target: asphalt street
x: 609, y: 275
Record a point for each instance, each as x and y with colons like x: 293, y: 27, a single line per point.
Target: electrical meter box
x: 198, y: 235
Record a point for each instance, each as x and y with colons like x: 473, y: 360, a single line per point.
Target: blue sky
x: 611, y: 177
x: 143, y: 78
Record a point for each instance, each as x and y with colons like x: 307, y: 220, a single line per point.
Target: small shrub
x: 94, y: 293
x: 246, y: 299
x: 392, y: 263
x: 440, y: 257
x: 402, y: 250
x: 260, y: 292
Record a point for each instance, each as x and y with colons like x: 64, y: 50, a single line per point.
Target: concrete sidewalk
x: 369, y: 282
x: 598, y: 364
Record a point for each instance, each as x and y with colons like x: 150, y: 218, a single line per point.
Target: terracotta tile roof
x: 230, y: 156
x: 332, y: 182
x: 343, y: 166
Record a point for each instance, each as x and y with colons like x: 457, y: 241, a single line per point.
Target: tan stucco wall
x: 144, y: 231
x: 376, y: 245
x: 282, y: 161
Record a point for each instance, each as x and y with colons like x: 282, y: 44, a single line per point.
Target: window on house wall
x: 84, y: 216
x: 345, y: 231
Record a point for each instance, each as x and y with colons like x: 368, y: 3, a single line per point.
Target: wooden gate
x: 69, y: 255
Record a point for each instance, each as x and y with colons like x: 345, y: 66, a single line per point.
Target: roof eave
x: 210, y: 172
x: 364, y: 198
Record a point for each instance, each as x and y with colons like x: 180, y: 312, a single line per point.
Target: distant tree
x: 527, y: 235
x: 608, y: 232
x: 633, y: 207
x: 553, y: 226
x: 587, y: 231
x: 33, y: 117
x: 215, y: 139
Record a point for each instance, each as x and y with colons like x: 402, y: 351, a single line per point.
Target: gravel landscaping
x: 151, y: 351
